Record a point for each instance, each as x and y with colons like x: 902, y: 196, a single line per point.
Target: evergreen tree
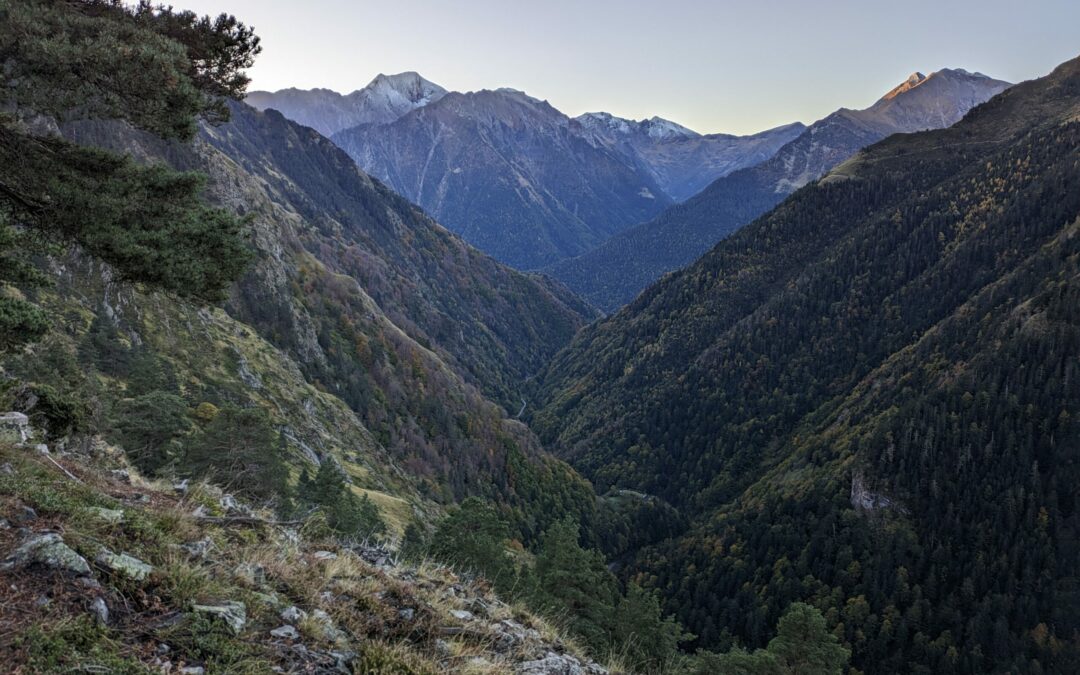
x: 473, y: 538
x: 154, y: 68
x: 574, y: 583
x: 645, y: 638
x: 149, y: 428
x: 238, y: 448
x: 802, y: 646
x: 347, y: 514
x: 414, y: 543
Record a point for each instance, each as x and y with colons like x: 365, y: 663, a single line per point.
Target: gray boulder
x: 15, y: 428
x: 49, y: 550
x: 559, y: 664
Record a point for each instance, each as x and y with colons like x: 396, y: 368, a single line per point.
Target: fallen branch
x: 60, y: 466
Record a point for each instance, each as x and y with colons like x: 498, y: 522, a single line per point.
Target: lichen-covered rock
x: 233, y: 614
x: 49, y: 550
x: 330, y: 631
x: 293, y: 614
x: 251, y: 573
x: 15, y: 428
x: 559, y: 664
x: 110, y: 516
x: 124, y: 565
x: 198, y: 549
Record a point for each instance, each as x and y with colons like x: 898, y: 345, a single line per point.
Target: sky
x: 732, y: 66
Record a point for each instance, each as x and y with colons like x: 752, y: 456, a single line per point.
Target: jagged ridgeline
x: 867, y: 400
x: 366, y: 331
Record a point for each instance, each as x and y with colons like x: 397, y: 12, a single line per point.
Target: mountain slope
x: 383, y: 100
x: 238, y: 592
x: 383, y: 309
x: 508, y: 173
x: 866, y: 400
x: 612, y: 274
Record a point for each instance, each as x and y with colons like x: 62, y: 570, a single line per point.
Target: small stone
x: 88, y: 582
x: 343, y: 661
x: 232, y: 613
x: 49, y: 550
x: 285, y: 632
x: 181, y: 487
x: 293, y: 614
x: 330, y: 631
x: 269, y: 599
x: 7, y: 469
x: 42, y: 601
x: 163, y: 649
x: 124, y: 564
x: 110, y: 516
x: 251, y: 573
x: 24, y: 515
x: 41, y: 449
x: 461, y: 615
x: 100, y: 611
x: 192, y: 670
x: 443, y: 650
x: 325, y: 555
x: 4, y: 524
x: 121, y: 475
x: 198, y: 549
x: 406, y: 614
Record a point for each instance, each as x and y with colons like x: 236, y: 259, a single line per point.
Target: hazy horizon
x: 733, y: 67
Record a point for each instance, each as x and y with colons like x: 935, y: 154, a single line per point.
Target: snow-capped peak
x: 406, y: 89
x: 660, y: 128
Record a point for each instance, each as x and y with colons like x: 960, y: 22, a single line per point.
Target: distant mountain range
x: 612, y: 274
x: 512, y: 175
x: 681, y: 161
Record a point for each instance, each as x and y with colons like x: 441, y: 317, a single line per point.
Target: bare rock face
x: 863, y: 499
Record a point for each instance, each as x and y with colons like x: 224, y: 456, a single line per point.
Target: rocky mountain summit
x: 383, y: 100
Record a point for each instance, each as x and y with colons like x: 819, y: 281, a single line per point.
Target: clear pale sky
x: 735, y: 66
